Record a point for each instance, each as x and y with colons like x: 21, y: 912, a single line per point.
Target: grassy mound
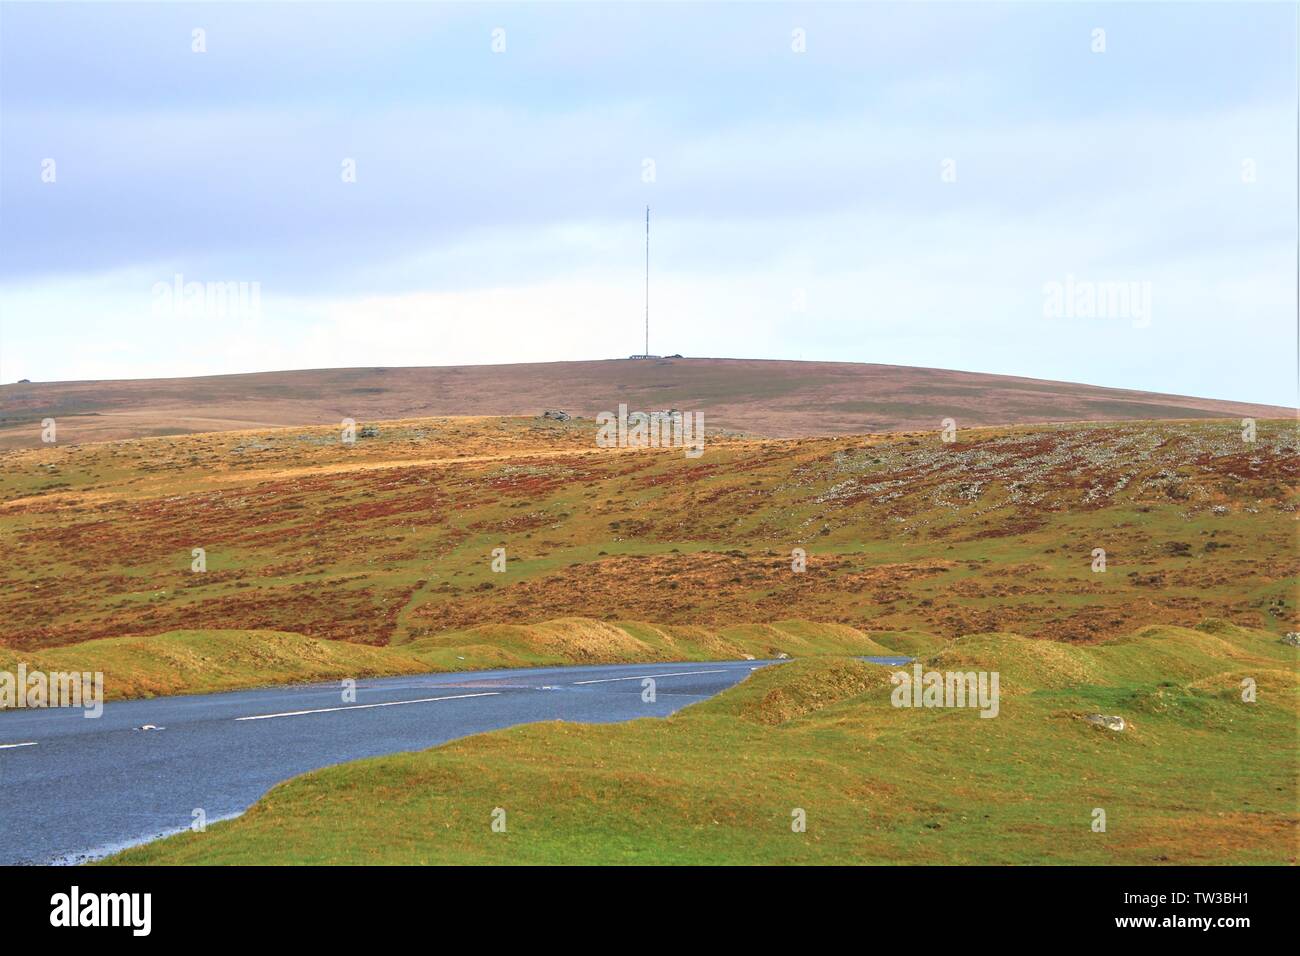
x: 1023, y: 663
x: 195, y: 662
x: 577, y: 640
x: 566, y: 640
x: 1188, y: 654
x: 775, y: 695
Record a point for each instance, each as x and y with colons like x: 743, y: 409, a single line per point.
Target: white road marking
x: 31, y: 743
x: 606, y: 680
x: 391, y: 703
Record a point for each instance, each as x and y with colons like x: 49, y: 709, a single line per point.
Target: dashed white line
x: 607, y: 680
x: 391, y: 703
x: 30, y: 743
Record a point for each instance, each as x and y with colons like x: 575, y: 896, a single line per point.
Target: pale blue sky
x: 799, y: 207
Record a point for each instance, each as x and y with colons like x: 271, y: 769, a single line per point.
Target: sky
x: 1092, y: 193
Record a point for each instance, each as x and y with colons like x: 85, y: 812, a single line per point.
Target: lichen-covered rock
x: 1108, y: 721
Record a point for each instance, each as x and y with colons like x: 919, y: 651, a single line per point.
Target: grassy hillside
x: 390, y: 540
x: 1199, y: 776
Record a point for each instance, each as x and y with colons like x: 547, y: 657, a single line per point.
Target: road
x: 73, y: 788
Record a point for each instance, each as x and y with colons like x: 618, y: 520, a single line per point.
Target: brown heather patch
x: 1005, y: 529
x: 335, y: 610
x: 376, y: 546
x: 699, y: 587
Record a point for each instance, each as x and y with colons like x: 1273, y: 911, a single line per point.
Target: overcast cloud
x: 799, y: 206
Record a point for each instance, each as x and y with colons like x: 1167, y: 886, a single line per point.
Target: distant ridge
x: 771, y: 398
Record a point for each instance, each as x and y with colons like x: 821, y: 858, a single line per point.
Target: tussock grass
x: 1025, y: 664
x: 775, y: 695
x: 193, y: 662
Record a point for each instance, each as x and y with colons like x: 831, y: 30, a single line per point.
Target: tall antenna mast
x: 647, y: 280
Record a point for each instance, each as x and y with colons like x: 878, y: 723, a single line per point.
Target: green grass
x: 1198, y: 777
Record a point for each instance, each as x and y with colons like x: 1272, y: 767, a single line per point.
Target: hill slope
x: 769, y: 398
x: 391, y: 540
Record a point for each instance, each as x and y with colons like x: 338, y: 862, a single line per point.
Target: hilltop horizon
x: 778, y: 398
x: 674, y: 356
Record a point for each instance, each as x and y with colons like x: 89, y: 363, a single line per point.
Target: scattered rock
x: 1292, y: 638
x: 368, y: 431
x: 555, y: 415
x: 1106, y: 720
